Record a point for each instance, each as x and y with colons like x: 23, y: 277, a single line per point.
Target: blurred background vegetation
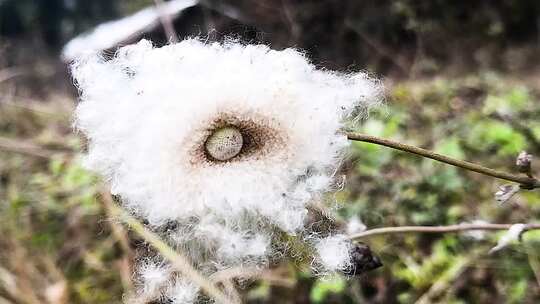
x: 462, y: 78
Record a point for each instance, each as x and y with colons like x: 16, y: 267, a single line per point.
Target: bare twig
x: 524, y: 181
x: 117, y: 230
x: 28, y: 148
x: 120, y: 234
x: 10, y: 73
x: 166, y: 22
x: 41, y: 109
x: 251, y: 273
x: 437, y: 229
x: 398, y: 60
x: 294, y: 28
x: 229, y: 287
x: 178, y: 260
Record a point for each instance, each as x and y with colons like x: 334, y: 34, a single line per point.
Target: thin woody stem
x: 524, y: 181
x: 28, y: 148
x: 437, y: 229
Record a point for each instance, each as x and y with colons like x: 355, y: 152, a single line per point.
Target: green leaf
x: 489, y: 134
x: 451, y: 147
x: 517, y: 291
x: 512, y: 102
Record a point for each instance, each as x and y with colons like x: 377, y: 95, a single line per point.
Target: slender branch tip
x: 525, y: 182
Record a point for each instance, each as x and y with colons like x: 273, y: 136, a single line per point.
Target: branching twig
x: 437, y: 229
x: 121, y: 237
x: 9, y: 73
x: 524, y: 181
x: 396, y: 59
x: 251, y: 273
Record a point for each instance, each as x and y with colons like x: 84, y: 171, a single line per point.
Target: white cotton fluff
x: 182, y: 291
x: 334, y: 253
x: 142, y: 112
x: 512, y: 235
x: 355, y: 225
x: 153, y: 276
x: 148, y: 111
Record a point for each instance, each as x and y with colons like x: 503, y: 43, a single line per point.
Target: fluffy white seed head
x: 224, y: 139
x: 149, y: 112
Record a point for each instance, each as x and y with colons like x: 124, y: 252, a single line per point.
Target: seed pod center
x: 224, y: 143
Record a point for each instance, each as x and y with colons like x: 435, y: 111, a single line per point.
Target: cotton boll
x: 153, y: 117
x: 334, y: 252
x: 148, y: 112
